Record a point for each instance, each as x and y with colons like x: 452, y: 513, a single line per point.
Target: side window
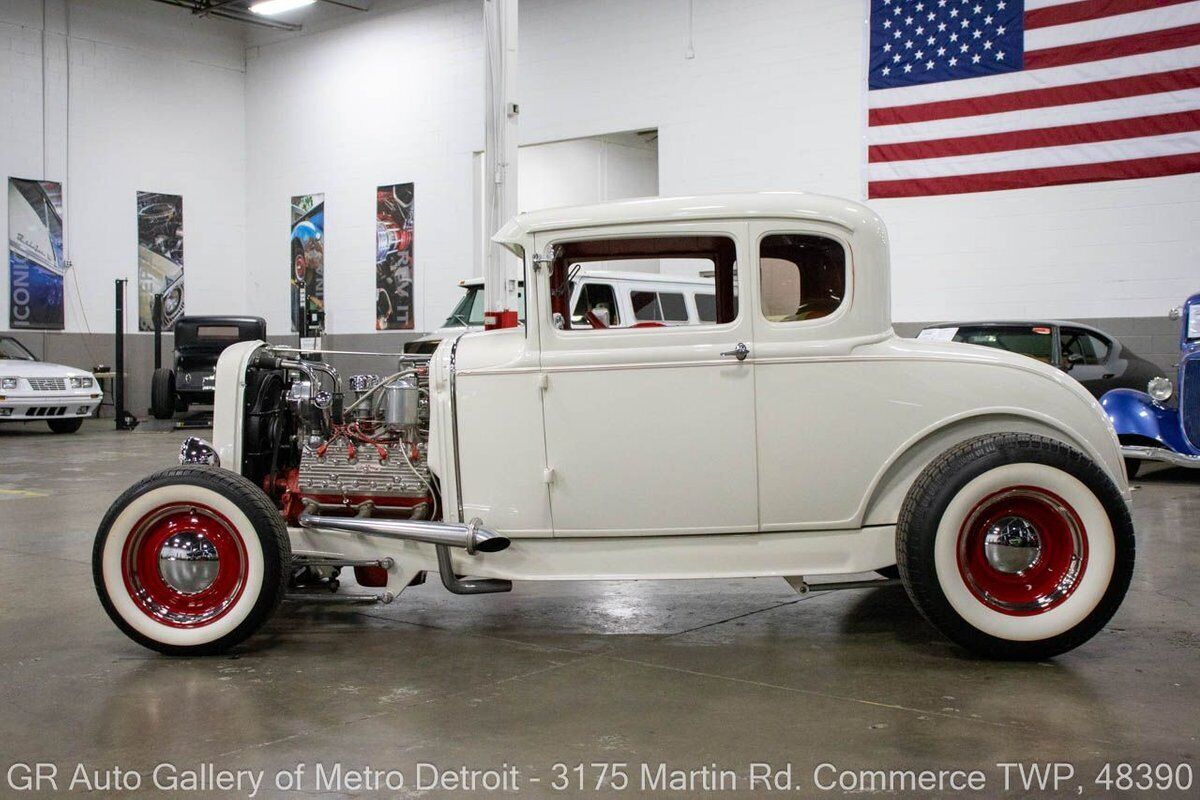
x: 599, y: 299
x: 803, y: 276
x: 674, y: 309
x: 1082, y: 347
x: 664, y: 270
x: 645, y: 306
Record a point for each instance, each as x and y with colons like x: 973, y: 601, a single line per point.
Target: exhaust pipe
x: 472, y: 536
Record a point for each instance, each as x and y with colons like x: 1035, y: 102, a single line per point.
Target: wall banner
x: 394, y: 306
x: 308, y: 254
x: 35, y: 254
x: 160, y: 258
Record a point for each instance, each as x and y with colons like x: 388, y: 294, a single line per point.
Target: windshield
x: 469, y: 310
x: 1193, y: 321
x: 11, y: 348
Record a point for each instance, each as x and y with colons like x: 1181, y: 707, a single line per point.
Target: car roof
x: 756, y: 205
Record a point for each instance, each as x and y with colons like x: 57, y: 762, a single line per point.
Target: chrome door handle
x: 740, y: 352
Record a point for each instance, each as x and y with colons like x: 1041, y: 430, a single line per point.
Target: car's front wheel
x: 65, y: 425
x: 191, y: 560
x: 1015, y: 546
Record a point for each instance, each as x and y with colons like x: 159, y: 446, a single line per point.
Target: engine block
x: 334, y: 478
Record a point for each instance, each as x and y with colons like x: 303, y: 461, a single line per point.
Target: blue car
x: 1163, y: 423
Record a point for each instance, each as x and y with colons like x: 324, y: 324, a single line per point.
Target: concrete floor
x: 683, y: 673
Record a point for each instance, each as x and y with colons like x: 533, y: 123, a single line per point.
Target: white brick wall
x: 156, y: 104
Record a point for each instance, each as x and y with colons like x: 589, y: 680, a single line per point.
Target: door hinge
x: 543, y: 260
x: 548, y: 475
x: 543, y: 381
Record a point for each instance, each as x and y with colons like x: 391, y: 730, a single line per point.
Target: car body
x: 793, y: 436
x: 626, y: 297
x: 32, y: 390
x: 1096, y: 359
x: 199, y: 342
x: 1165, y: 427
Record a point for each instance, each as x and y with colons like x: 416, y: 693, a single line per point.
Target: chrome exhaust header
x: 471, y: 536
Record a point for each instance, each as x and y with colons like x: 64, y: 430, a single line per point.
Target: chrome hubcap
x: 1012, y: 545
x: 188, y: 562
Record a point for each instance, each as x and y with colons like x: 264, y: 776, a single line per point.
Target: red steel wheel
x: 1022, y: 550
x: 185, y: 564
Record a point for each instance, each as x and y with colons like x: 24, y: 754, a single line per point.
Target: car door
x: 650, y: 428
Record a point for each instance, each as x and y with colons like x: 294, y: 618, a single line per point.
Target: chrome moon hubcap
x: 188, y: 562
x: 1012, y: 545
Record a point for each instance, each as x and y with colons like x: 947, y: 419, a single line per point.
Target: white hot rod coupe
x: 792, y: 436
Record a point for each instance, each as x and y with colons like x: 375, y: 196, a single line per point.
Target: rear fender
x: 892, y: 486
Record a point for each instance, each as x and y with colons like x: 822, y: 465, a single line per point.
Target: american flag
x: 980, y: 95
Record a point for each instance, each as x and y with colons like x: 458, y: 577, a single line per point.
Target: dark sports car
x: 1094, y: 358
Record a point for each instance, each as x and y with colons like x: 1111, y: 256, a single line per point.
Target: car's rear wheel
x: 191, y: 560
x: 162, y: 393
x: 1015, y: 546
x: 65, y: 425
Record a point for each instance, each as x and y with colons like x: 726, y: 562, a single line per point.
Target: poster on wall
x: 308, y: 255
x: 35, y: 254
x: 160, y: 258
x: 394, y: 257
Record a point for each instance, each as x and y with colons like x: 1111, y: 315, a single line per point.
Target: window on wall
x: 803, y: 276
x: 643, y: 282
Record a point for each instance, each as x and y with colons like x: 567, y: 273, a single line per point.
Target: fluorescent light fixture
x: 272, y: 7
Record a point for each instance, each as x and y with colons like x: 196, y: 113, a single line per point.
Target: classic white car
x: 792, y: 436
x: 32, y: 390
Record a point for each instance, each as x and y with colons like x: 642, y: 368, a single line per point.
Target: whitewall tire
x: 191, y: 560
x: 1015, y: 546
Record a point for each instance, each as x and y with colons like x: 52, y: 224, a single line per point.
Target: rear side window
x: 645, y: 306
x: 674, y: 309
x: 1083, y: 347
x: 803, y: 276
x: 1028, y: 340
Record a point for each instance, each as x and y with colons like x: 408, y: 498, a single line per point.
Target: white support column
x: 500, y: 269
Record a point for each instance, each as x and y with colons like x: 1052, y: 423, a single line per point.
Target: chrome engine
x: 362, y: 478
x: 373, y: 462
x: 320, y: 450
